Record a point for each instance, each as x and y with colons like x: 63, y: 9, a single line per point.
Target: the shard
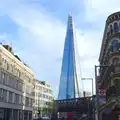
x: 68, y: 87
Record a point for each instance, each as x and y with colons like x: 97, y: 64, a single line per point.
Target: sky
x: 36, y: 29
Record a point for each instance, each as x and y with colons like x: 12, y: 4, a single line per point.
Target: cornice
x: 16, y: 60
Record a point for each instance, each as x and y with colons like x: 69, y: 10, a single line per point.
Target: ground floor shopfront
x: 13, y: 114
x: 111, y: 111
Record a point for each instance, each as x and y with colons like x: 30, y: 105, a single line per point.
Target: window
x: 30, y: 102
x: 5, y: 95
x: 14, y: 83
x: 12, y: 68
x: 22, y: 100
x: 3, y: 77
x: 7, y: 66
x: 27, y: 101
x: 3, y: 62
x: 20, y: 86
x: 19, y: 99
x: 116, y: 29
x: 43, y: 96
x: 1, y: 94
x: 40, y: 95
x: 114, y: 45
x: 11, y: 82
x: 36, y: 102
x: 27, y: 89
x: 10, y: 97
x: 7, y: 77
x: 19, y: 73
x: 23, y: 87
x: 16, y: 98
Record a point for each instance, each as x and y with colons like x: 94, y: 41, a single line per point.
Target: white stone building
x: 43, y: 97
x: 16, y: 86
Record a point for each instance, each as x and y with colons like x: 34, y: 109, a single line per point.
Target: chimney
x: 8, y: 47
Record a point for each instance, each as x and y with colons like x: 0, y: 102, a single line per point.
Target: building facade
x: 16, y: 86
x: 109, y: 75
x: 69, y: 86
x: 43, y: 98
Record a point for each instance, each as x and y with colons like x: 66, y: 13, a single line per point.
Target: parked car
x: 46, y: 118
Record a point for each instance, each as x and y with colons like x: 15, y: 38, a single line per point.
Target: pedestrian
x: 69, y: 116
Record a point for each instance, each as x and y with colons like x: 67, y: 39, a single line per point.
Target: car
x: 45, y: 118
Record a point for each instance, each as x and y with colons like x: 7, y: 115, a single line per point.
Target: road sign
x: 101, y: 92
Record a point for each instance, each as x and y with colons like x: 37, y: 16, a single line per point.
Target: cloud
x: 100, y: 9
x: 42, y: 37
x: 96, y: 13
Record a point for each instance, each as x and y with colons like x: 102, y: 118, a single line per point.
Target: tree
x: 50, y: 106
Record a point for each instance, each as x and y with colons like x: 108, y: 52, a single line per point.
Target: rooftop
x: 9, y: 48
x: 42, y: 83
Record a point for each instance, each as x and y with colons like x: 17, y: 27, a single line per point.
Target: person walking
x: 69, y: 116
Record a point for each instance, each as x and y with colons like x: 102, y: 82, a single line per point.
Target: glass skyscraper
x: 68, y: 87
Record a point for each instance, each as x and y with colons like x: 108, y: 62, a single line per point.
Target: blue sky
x: 36, y: 30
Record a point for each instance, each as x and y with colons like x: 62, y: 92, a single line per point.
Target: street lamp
x: 92, y: 83
x: 97, y: 105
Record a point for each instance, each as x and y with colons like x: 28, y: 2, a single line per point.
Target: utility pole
x: 97, y: 99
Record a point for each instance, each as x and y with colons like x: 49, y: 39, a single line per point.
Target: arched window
x: 116, y: 27
x: 114, y: 45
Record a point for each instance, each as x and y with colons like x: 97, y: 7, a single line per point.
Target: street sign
x: 101, y: 92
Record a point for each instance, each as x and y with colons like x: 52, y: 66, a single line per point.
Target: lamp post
x: 92, y: 94
x: 97, y: 103
x: 92, y: 83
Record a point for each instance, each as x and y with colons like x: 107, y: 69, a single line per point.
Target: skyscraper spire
x: 70, y: 14
x: 70, y: 24
x: 68, y: 87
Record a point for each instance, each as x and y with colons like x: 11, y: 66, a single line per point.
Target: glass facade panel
x: 67, y: 79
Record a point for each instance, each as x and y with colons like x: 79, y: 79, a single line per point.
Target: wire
x: 79, y: 61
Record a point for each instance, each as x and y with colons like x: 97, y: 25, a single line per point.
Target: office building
x: 16, y: 86
x: 68, y: 87
x: 43, y: 98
